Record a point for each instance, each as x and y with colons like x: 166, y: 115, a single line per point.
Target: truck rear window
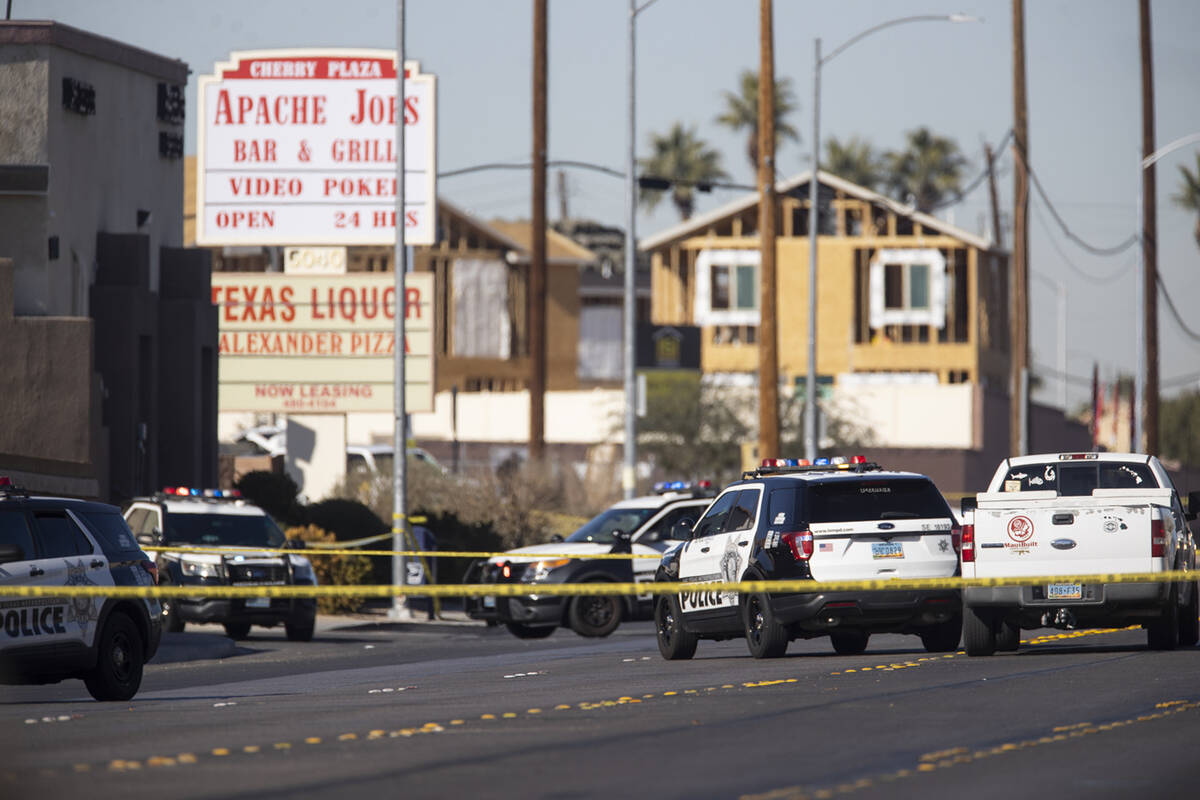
x: 872, y: 501
x: 1076, y: 480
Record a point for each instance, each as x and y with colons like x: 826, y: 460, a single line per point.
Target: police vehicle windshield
x: 234, y: 530
x: 600, y: 528
x: 877, y: 500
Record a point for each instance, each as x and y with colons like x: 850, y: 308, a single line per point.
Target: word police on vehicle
x: 57, y: 542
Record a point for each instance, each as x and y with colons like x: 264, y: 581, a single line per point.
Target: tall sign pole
x: 537, y: 234
x: 768, y: 340
x: 1019, y: 317
x: 629, y: 470
x: 400, y: 609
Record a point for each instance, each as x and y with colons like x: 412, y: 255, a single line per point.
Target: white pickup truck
x: 1078, y: 514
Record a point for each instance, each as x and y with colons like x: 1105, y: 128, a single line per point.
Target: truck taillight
x: 1158, y: 539
x: 956, y: 539
x: 800, y: 543
x: 967, y: 543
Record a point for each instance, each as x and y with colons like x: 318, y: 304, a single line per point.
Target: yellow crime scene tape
x: 569, y: 589
x: 343, y: 551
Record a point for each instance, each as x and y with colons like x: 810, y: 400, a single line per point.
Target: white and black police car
x: 829, y: 521
x: 640, y: 526
x: 52, y: 541
x: 233, y: 533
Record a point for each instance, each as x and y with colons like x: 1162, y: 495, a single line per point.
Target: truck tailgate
x: 1065, y: 535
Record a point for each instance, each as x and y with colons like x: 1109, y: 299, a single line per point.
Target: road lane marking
x: 432, y: 727
x: 931, y: 762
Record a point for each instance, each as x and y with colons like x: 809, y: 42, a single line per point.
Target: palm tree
x: 927, y: 171
x: 741, y: 112
x: 679, y: 155
x: 855, y: 160
x: 1189, y: 194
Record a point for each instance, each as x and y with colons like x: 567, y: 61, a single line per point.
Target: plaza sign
x: 321, y: 343
x: 297, y: 147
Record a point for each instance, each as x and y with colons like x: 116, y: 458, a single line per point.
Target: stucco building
x: 109, y: 385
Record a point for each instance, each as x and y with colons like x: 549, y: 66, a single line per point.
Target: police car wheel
x: 172, y: 622
x: 300, y: 630
x: 765, y: 637
x: 237, y: 630
x: 674, y: 642
x: 942, y: 637
x: 850, y: 642
x: 119, y: 662
x: 594, y: 616
x: 529, y: 631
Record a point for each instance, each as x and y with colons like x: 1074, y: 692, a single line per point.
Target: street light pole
x: 399, y: 609
x: 810, y: 383
x: 810, y: 380
x: 629, y: 468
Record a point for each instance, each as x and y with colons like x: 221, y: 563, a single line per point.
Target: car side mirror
x: 11, y: 552
x: 556, y: 538
x: 683, y: 529
x: 295, y: 544
x: 1193, y: 509
x: 968, y: 505
x: 622, y: 542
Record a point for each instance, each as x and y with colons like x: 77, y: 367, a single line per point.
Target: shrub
x: 333, y: 570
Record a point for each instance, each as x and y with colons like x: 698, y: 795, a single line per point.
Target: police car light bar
x: 1077, y: 456
x: 667, y: 487
x: 780, y: 466
x: 188, y: 491
x: 8, y: 488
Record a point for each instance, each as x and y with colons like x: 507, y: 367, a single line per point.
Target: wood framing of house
x: 950, y: 320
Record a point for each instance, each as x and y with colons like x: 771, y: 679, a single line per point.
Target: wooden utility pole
x: 1149, y: 235
x: 768, y: 338
x: 997, y: 234
x: 1018, y: 436
x: 537, y: 235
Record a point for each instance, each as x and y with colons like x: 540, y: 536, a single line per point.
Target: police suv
x: 829, y: 521
x: 641, y: 526
x: 51, y: 541
x: 232, y: 531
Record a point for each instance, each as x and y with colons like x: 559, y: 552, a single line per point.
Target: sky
x: 1084, y: 98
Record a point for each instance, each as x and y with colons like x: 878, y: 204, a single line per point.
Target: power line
x: 1099, y: 251
x: 1162, y: 289
x: 980, y: 178
x: 1077, y: 380
x: 1102, y: 279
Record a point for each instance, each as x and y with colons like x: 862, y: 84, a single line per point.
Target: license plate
x: 489, y: 601
x: 1064, y: 591
x: 258, y: 602
x: 887, y: 550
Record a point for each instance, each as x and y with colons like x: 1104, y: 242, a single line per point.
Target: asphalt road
x: 456, y: 711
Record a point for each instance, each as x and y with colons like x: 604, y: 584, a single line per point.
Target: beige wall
x: 46, y: 441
